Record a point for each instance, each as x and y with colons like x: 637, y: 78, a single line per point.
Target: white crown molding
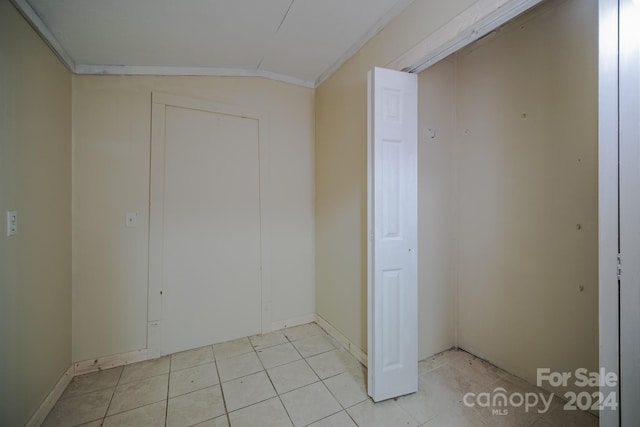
x: 136, y: 70
x: 379, y: 25
x: 473, y: 23
x: 45, y: 33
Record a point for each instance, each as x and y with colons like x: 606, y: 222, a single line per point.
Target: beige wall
x: 436, y: 209
x: 111, y: 147
x: 501, y: 258
x: 527, y: 203
x: 35, y: 180
x: 341, y: 175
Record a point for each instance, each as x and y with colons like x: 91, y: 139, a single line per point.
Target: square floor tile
x: 278, y: 355
x: 150, y: 415
x: 451, y: 379
x: 139, y: 393
x: 291, y: 376
x: 80, y: 409
x: 141, y: 370
x: 193, y: 408
x: 216, y: 422
x: 260, y: 342
x: 192, y: 379
x: 310, y: 346
x: 96, y: 423
x: 561, y: 417
x: 457, y: 358
x: 191, y: 358
x: 233, y: 348
x: 382, y: 414
x: 239, y: 366
x: 93, y: 382
x: 310, y: 403
x: 349, y: 387
x: 303, y: 331
x: 430, y: 363
x: 481, y: 373
x: 457, y: 417
x: 268, y: 413
x: 434, y: 397
x: 247, y: 390
x: 542, y: 423
x: 341, y: 419
x: 332, y: 363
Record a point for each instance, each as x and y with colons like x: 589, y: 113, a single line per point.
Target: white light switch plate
x: 131, y: 219
x: 12, y: 223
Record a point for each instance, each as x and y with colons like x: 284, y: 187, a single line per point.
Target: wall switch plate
x: 131, y: 219
x: 12, y: 223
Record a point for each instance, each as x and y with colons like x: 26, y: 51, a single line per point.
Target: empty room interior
x: 192, y: 241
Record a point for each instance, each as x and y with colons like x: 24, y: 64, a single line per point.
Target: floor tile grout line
x: 86, y: 392
x: 191, y: 367
x: 321, y: 381
x: 224, y: 400
x: 325, y: 417
x: 106, y: 412
x: 166, y: 409
x: 275, y: 390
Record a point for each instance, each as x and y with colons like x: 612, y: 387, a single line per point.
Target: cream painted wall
x: 111, y: 146
x: 436, y: 209
x: 341, y: 174
x: 527, y: 169
x: 35, y: 180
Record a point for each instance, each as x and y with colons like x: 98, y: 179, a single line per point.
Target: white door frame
x: 629, y: 177
x: 156, y: 202
x: 608, y: 206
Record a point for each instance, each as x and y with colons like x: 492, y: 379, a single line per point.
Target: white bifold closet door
x: 392, y: 228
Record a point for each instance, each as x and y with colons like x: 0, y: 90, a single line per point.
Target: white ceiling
x: 301, y: 41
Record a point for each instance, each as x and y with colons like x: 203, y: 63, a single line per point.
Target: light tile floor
x: 299, y: 376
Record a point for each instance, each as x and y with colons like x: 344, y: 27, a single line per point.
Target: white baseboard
x: 107, y: 362
x: 356, y: 351
x: 294, y: 321
x: 43, y: 410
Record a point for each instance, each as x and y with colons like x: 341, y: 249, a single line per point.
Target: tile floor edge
x: 356, y: 351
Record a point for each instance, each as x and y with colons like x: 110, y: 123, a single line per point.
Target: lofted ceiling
x: 300, y: 41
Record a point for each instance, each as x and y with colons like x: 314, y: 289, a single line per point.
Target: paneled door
x: 206, y: 224
x: 392, y: 227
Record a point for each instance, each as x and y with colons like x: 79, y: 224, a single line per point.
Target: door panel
x: 211, y: 229
x: 392, y: 289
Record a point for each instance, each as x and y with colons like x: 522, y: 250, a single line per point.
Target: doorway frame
x: 608, y: 200
x: 159, y: 102
x: 485, y: 16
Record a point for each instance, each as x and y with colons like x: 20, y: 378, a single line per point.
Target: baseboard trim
x: 45, y: 407
x: 107, y: 362
x: 294, y: 321
x: 356, y: 351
